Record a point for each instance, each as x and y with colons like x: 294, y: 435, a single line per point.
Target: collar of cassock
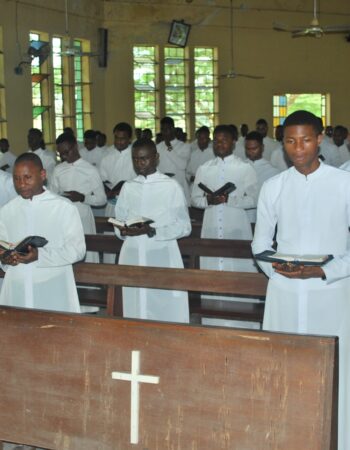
x: 318, y: 172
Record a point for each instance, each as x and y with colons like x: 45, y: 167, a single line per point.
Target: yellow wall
x: 289, y: 65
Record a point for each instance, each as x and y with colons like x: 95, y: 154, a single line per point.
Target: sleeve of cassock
x: 97, y: 196
x: 73, y: 248
x: 245, y: 195
x: 265, y: 227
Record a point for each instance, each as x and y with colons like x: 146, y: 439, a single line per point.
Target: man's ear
x: 43, y: 174
x: 157, y: 158
x: 319, y: 138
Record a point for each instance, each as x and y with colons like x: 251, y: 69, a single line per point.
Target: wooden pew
x: 194, y: 280
x: 66, y: 385
x: 191, y: 249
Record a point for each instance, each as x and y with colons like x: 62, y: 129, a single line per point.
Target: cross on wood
x: 135, y: 378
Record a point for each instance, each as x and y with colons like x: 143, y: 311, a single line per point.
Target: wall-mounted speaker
x: 102, y: 47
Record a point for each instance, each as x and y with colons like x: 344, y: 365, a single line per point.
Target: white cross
x: 135, y: 379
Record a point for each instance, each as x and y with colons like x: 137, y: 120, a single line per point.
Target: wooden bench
x: 191, y: 249
x: 72, y: 382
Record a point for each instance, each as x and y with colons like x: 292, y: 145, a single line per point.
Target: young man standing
x: 310, y: 204
x: 225, y: 216
x: 160, y: 198
x: 42, y: 278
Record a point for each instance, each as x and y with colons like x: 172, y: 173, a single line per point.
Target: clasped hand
x: 14, y: 258
x: 290, y: 270
x: 134, y: 231
x: 74, y: 196
x: 217, y: 199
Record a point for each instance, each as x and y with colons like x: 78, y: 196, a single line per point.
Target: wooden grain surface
x: 219, y: 388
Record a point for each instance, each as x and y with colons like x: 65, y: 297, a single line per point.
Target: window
x: 176, y: 86
x: 180, y: 75
x: 40, y: 91
x: 57, y: 66
x: 145, y: 87
x: 285, y: 104
x: 3, y: 126
x: 205, y: 87
x: 82, y: 88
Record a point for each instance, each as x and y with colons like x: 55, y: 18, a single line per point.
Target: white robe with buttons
x: 228, y: 220
x: 161, y: 199
x: 47, y: 283
x: 175, y: 161
x: 313, y: 216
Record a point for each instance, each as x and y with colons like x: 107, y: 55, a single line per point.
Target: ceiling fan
x: 232, y: 73
x: 68, y: 46
x: 314, y: 29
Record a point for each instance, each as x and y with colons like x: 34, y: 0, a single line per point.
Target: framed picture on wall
x: 179, y: 32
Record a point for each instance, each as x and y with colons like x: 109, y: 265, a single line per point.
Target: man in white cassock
x: 42, y: 278
x: 7, y: 158
x: 264, y: 170
x: 91, y: 152
x: 173, y: 155
x: 270, y: 144
x: 201, y: 153
x: 340, y: 134
x: 160, y: 198
x: 37, y: 146
x: 80, y: 182
x: 310, y: 204
x: 116, y: 166
x: 225, y: 216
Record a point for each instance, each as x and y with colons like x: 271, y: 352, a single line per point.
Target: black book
x: 22, y: 246
x: 116, y: 188
x: 227, y: 188
x: 299, y: 260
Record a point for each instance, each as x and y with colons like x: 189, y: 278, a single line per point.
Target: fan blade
x: 253, y: 77
x: 280, y: 26
x: 336, y: 29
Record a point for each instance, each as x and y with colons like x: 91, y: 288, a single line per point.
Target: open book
x: 136, y: 222
x: 116, y: 188
x: 22, y: 246
x: 305, y: 260
x: 227, y: 188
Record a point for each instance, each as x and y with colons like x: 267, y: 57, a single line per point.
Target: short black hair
x: 261, y: 122
x: 29, y: 157
x: 4, y: 140
x: 90, y: 134
x: 167, y: 121
x: 68, y: 130
x: 35, y: 131
x: 254, y: 136
x: 302, y: 117
x: 203, y: 129
x: 66, y: 137
x: 148, y: 143
x: 123, y: 126
x: 227, y: 129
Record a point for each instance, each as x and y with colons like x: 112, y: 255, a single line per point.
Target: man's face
x: 262, y: 129
x: 101, y: 140
x: 223, y: 144
x: 338, y: 137
x: 68, y: 152
x: 4, y: 146
x: 301, y: 144
x: 28, y: 179
x: 168, y: 131
x: 121, y: 140
x: 253, y: 150
x: 203, y: 140
x: 89, y: 143
x: 34, y: 141
x: 329, y: 131
x: 145, y: 160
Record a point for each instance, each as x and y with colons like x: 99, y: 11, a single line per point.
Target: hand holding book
x: 24, y: 252
x: 134, y: 227
x: 218, y: 196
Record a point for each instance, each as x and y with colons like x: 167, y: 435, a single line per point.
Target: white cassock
x: 161, y: 199
x: 116, y: 166
x: 175, y: 161
x: 93, y: 156
x: 198, y: 157
x: 228, y: 220
x: 7, y: 189
x: 279, y: 159
x: 264, y: 170
x: 312, y: 215
x: 269, y: 146
x: 47, y: 283
x: 344, y: 153
x: 8, y: 159
x: 84, y: 178
x: 48, y: 160
x: 330, y: 153
x: 239, y: 149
